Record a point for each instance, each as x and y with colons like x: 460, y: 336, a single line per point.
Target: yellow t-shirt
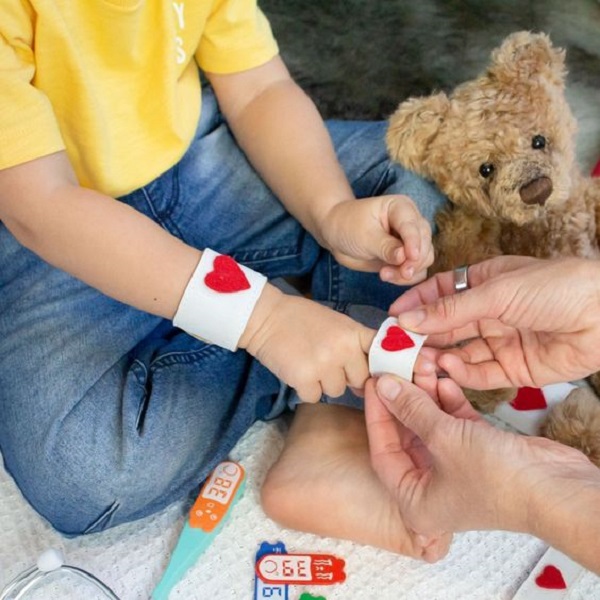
x: 115, y: 82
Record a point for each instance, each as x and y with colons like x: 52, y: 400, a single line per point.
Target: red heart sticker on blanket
x: 396, y: 339
x: 226, y: 276
x: 551, y: 579
x: 529, y: 398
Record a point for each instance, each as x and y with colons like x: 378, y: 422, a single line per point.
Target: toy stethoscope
x: 50, y: 561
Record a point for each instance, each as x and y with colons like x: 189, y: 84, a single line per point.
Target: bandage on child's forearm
x: 218, y: 300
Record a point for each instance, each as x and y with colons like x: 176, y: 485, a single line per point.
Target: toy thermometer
x: 320, y: 569
x: 221, y: 490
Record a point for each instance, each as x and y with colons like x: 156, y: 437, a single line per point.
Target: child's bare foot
x: 323, y: 483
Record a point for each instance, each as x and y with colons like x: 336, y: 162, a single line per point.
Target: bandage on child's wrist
x: 218, y: 300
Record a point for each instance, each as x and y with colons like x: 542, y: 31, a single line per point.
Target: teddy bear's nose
x: 536, y: 191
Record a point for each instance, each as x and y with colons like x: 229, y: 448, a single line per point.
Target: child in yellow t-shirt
x: 117, y: 172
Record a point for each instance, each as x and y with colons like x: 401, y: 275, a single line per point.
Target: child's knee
x: 73, y: 502
x: 86, y: 495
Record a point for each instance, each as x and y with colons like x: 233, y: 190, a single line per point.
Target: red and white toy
x: 552, y: 578
x: 316, y: 569
x: 529, y: 409
x: 394, y: 350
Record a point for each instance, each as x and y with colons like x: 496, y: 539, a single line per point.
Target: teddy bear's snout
x: 536, y: 191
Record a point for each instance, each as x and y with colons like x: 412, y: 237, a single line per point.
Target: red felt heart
x: 396, y: 339
x: 226, y: 276
x: 529, y: 398
x: 551, y: 579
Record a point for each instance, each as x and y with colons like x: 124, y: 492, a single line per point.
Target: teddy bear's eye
x: 538, y: 142
x: 486, y: 169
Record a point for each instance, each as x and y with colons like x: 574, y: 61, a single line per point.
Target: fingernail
x: 408, y: 273
x: 411, y: 319
x: 388, y: 388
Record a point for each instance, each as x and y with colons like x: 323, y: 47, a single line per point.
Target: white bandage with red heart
x: 218, y: 300
x: 394, y: 350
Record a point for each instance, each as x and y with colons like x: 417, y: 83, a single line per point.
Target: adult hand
x: 524, y: 322
x: 386, y: 234
x: 314, y: 349
x: 449, y: 470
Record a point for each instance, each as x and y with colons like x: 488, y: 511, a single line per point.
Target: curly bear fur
x: 502, y: 149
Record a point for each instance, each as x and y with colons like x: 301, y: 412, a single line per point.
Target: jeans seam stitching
x: 184, y: 357
x: 271, y: 255
x: 103, y: 517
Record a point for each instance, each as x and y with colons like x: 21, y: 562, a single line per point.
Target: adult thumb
x: 413, y: 407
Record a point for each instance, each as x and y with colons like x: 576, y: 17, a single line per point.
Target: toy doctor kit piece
x: 264, y: 590
x: 552, y: 578
x: 394, y: 350
x: 291, y: 569
x: 49, y: 562
x: 222, y: 489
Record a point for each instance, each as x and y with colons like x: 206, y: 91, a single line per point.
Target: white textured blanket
x: 130, y: 558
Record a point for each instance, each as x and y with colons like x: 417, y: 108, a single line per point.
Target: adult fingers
x: 411, y: 406
x: 455, y: 403
x: 458, y: 311
x: 442, y: 284
x: 426, y: 292
x: 485, y: 375
x: 454, y: 336
x: 428, y: 382
x: 388, y: 457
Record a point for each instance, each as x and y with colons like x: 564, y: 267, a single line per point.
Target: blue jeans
x: 108, y: 414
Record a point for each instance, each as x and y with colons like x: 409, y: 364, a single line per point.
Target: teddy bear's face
x: 505, y: 154
x: 501, y: 145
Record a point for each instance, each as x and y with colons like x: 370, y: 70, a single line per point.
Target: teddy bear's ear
x: 412, y: 127
x: 524, y: 55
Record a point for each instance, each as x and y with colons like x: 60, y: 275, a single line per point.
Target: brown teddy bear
x: 501, y: 147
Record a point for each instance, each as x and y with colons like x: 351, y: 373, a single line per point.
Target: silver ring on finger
x: 461, y: 278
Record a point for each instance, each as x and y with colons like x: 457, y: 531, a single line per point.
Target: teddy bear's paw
x: 486, y: 401
x: 576, y: 423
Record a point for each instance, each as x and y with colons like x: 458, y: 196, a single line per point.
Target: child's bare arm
x: 285, y: 138
x: 119, y: 251
x: 99, y: 240
x: 282, y: 133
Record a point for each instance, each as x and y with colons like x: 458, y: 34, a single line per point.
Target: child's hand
x: 386, y: 234
x: 310, y: 347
